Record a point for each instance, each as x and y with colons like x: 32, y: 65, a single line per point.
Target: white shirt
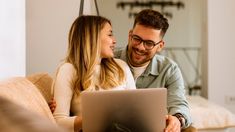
x: 137, y: 71
x: 68, y: 101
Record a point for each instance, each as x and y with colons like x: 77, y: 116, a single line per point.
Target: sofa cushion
x: 43, y: 82
x: 21, y: 91
x: 15, y: 118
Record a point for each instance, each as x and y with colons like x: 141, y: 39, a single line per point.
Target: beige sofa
x: 33, y: 93
x: 27, y: 98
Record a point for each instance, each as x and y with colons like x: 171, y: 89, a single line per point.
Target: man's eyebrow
x: 143, y: 39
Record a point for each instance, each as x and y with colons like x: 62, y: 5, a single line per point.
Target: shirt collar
x: 152, y: 68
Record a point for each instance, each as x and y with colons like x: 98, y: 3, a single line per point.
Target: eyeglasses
x: 148, y: 44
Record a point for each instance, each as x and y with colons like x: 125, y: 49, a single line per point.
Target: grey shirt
x: 163, y: 72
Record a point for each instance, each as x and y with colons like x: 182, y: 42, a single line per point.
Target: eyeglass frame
x: 144, y: 41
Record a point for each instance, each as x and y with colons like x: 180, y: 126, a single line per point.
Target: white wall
x: 12, y: 38
x: 181, y: 33
x: 221, y: 54
x: 48, y: 24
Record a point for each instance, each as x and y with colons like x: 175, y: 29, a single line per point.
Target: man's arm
x: 177, y: 103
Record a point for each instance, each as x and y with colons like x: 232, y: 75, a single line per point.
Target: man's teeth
x: 139, y: 53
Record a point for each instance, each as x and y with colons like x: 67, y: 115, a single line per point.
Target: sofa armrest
x: 24, y: 93
x: 15, y: 118
x: 43, y: 81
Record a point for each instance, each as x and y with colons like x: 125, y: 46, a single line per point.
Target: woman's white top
x: 68, y: 102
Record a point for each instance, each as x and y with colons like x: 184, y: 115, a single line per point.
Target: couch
x: 33, y: 93
x: 23, y: 104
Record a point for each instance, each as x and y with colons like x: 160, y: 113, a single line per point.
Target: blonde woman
x: 88, y: 66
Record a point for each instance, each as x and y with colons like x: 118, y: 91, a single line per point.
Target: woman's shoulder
x: 66, y: 72
x: 123, y: 65
x: 121, y: 62
x: 67, y: 67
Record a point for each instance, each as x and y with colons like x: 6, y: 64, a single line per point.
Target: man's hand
x: 173, y: 124
x: 52, y: 105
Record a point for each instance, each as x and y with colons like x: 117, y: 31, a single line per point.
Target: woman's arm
x: 63, y: 93
x: 78, y: 124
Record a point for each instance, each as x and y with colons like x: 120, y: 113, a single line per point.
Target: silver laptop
x: 140, y: 110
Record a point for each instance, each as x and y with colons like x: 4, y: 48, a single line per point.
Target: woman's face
x: 108, y: 41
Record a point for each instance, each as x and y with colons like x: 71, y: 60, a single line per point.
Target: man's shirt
x: 163, y: 72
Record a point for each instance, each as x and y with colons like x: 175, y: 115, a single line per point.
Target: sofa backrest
x: 23, y: 92
x: 43, y: 81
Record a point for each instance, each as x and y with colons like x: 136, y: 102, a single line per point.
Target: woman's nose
x: 114, y: 41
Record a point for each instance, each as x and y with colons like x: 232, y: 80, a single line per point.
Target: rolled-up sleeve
x: 176, y: 100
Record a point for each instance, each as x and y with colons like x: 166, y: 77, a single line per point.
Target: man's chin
x: 139, y: 62
x: 136, y: 62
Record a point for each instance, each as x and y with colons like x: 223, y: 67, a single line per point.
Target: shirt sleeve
x: 177, y: 102
x: 63, y: 93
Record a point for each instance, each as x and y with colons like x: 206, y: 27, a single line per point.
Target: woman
x: 90, y: 66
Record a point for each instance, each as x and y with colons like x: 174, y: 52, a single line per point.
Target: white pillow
x: 207, y: 115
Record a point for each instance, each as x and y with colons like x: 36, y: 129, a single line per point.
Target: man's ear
x: 130, y: 33
x: 161, y: 45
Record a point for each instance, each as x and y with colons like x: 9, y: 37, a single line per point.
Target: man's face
x: 137, y: 53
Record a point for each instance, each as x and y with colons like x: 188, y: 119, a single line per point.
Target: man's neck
x: 137, y: 71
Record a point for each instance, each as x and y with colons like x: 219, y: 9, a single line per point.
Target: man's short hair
x: 153, y: 19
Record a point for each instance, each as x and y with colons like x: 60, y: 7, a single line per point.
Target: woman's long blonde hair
x: 84, y: 54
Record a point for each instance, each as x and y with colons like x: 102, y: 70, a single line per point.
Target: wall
x: 48, y: 24
x: 182, y: 31
x: 12, y: 38
x: 221, y: 55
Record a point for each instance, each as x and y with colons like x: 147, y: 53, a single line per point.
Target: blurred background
x: 33, y: 38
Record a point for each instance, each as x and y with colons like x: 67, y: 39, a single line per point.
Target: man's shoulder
x: 118, y: 52
x: 163, y: 60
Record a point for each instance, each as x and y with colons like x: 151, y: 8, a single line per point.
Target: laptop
x: 139, y: 110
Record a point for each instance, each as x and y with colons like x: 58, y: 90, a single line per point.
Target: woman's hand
x: 52, y: 105
x: 173, y: 124
x: 78, y: 124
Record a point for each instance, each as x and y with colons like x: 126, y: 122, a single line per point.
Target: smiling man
x: 151, y: 70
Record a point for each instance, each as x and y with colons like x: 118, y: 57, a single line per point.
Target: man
x: 150, y: 70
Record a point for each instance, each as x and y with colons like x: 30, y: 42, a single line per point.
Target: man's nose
x: 141, y: 46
